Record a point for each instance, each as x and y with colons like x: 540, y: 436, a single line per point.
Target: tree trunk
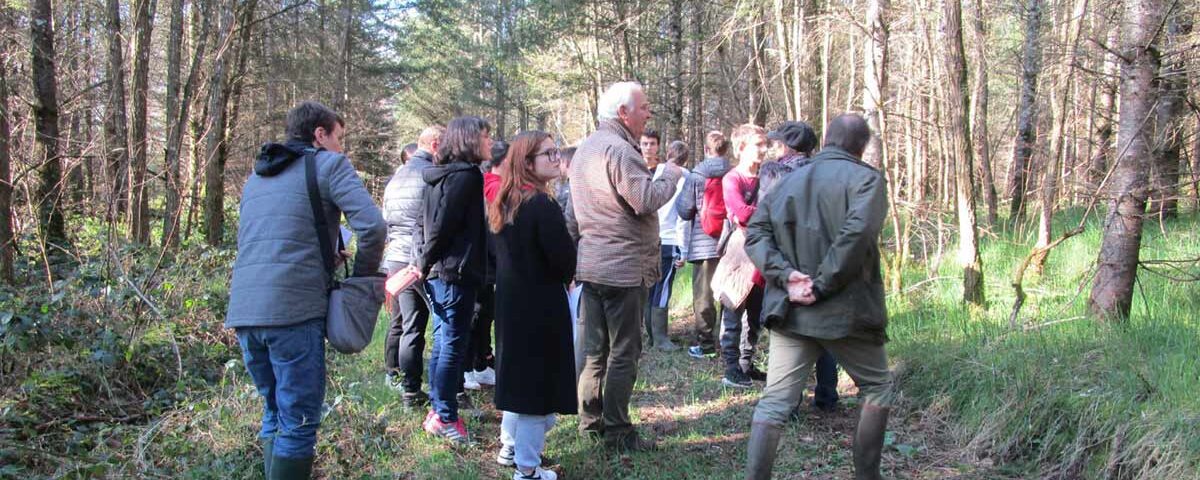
x: 1168, y: 129
x: 1060, y: 93
x: 6, y: 219
x: 875, y: 57
x: 115, y: 137
x: 786, y: 65
x: 979, y: 112
x: 675, y: 77
x: 758, y: 85
x: 696, y: 110
x: 825, y: 46
x: 1112, y: 291
x: 1106, y: 104
x: 139, y: 201
x: 956, y: 107
x: 214, y: 167
x: 1027, y: 115
x: 171, y: 150
x: 342, y: 97
x: 45, y: 109
x: 178, y: 104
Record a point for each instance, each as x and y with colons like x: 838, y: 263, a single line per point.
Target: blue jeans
x: 739, y: 338
x: 452, y: 307
x: 826, y: 394
x: 287, y: 365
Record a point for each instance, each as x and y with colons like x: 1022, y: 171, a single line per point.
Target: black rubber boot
x: 760, y: 455
x: 868, y: 442
x: 291, y: 468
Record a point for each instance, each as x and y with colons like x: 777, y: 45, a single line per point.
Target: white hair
x: 617, y: 95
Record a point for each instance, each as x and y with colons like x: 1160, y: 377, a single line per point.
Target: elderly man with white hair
x: 616, y: 200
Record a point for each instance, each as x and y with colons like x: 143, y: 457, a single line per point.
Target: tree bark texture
x: 6, y: 220
x: 170, y: 234
x: 115, y: 135
x: 139, y: 200
x: 214, y: 166
x: 45, y: 109
x: 1060, y: 94
x: 1112, y: 292
x: 1168, y: 125
x: 1027, y: 111
x: 956, y: 107
x: 875, y: 56
x: 979, y: 111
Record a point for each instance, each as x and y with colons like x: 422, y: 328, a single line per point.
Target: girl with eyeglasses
x: 535, y: 260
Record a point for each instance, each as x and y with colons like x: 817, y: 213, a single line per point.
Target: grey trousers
x: 789, y: 366
x: 526, y: 435
x: 612, y: 345
x: 703, y: 304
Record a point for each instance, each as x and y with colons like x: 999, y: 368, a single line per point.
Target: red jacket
x: 491, y: 187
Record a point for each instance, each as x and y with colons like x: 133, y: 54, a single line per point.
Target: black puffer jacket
x: 402, y: 204
x: 451, y: 228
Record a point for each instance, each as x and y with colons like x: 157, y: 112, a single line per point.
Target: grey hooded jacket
x: 279, y: 278
x: 402, y: 200
x: 697, y: 245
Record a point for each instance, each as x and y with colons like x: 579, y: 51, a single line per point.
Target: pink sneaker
x: 455, y: 432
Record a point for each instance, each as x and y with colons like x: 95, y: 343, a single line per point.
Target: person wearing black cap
x: 794, y: 143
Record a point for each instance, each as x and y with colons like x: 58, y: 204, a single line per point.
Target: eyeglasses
x: 551, y: 154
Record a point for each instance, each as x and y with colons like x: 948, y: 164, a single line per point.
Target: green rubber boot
x: 291, y: 468
x: 760, y: 454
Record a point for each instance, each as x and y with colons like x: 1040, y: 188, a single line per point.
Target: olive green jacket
x: 824, y: 220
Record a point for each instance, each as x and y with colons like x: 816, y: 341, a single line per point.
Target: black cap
x: 797, y: 135
x: 499, y: 151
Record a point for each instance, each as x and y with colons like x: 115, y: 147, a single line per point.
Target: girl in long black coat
x: 535, y: 260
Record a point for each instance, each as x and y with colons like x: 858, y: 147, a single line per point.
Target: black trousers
x: 479, y: 348
x: 404, y: 349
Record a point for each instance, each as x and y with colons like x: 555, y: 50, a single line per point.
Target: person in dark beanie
x: 403, y: 198
x: 824, y: 291
x: 279, y: 294
x: 793, y: 143
x: 452, y: 260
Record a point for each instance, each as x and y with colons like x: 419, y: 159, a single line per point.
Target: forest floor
x: 97, y: 384
x: 702, y: 428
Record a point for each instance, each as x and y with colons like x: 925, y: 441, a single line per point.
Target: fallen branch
x: 1019, y: 275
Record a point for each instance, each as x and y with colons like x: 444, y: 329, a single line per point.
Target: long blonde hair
x: 518, y: 182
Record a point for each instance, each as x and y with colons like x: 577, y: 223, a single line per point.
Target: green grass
x: 1061, y: 397
x: 1065, y: 396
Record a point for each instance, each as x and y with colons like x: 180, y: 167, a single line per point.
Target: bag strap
x: 321, y: 224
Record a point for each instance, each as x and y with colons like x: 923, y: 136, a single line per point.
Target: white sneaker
x: 486, y: 376
x: 469, y: 381
x: 538, y: 474
x: 506, y: 456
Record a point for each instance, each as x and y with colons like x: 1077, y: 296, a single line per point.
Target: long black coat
x: 535, y: 357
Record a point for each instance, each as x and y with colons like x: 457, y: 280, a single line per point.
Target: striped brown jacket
x: 616, y: 201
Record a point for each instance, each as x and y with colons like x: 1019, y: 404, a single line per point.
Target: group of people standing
x: 572, y: 253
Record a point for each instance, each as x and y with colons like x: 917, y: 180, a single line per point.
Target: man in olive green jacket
x: 815, y: 239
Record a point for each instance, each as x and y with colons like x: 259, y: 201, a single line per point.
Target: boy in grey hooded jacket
x: 279, y: 294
